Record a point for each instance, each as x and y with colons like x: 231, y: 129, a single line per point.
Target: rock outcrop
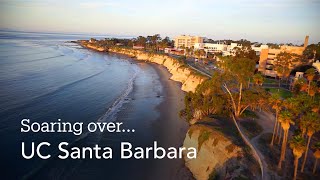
x: 180, y: 72
x: 217, y: 155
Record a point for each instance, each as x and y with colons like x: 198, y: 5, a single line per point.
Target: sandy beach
x: 171, y: 129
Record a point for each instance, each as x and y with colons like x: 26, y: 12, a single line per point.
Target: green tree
x: 141, y: 41
x: 237, y: 73
x: 310, y: 74
x: 258, y: 79
x: 285, y: 119
x: 312, y: 51
x: 188, y: 51
x: 282, y: 65
x: 202, y: 53
x: 297, y: 144
x: 246, y: 52
x: 312, y: 123
x: 207, y: 99
x: 316, y: 154
x: 197, y: 53
x: 276, y: 103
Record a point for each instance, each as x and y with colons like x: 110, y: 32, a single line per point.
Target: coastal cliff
x: 218, y: 155
x: 189, y: 78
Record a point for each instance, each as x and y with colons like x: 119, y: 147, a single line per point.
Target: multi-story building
x: 210, y: 47
x: 187, y: 41
x: 268, y: 57
x: 226, y: 50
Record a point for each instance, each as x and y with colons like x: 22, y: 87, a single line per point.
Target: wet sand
x: 171, y: 129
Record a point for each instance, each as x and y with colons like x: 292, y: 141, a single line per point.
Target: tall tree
x: 285, y: 119
x: 258, y: 79
x: 312, y: 121
x: 202, y: 53
x: 237, y: 71
x: 297, y: 144
x: 197, y: 53
x: 312, y: 51
x: 246, y: 52
x: 276, y: 103
x: 283, y: 63
x: 154, y: 41
x: 310, y: 74
x: 207, y: 99
x: 141, y: 41
x: 316, y: 154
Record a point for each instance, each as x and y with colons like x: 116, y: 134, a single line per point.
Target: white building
x: 226, y: 50
x: 258, y: 49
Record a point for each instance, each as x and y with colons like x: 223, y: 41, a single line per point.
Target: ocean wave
x: 94, y: 137
x: 114, y: 108
x: 110, y: 114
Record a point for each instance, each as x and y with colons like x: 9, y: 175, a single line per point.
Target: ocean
x: 44, y: 77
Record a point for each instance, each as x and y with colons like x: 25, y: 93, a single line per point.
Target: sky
x: 255, y: 20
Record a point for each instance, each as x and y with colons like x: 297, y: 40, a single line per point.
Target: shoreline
x: 170, y: 130
x: 175, y: 127
x: 179, y: 71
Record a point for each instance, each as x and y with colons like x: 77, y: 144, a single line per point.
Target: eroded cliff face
x: 217, y: 156
x: 189, y: 79
x: 91, y: 46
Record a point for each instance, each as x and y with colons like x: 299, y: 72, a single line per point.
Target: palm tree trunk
x: 283, y: 149
x: 279, y: 84
x: 306, y: 154
x: 274, y: 130
x: 315, y: 166
x: 296, y: 160
x: 280, y: 133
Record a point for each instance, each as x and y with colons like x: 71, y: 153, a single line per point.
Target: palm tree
x: 310, y: 73
x: 276, y: 103
x: 197, y: 53
x: 285, y: 119
x: 297, y: 144
x: 312, y: 120
x: 316, y: 154
x: 313, y: 88
x: 187, y: 51
x: 202, y: 53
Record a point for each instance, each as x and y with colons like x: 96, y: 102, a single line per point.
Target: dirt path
x: 266, y: 121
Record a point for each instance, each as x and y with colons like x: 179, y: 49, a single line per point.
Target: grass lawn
x: 283, y: 93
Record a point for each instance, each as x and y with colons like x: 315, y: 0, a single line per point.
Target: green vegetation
x: 249, y: 114
x: 204, y: 136
x: 252, y: 128
x: 228, y: 93
x: 283, y: 92
x: 312, y: 51
x: 283, y: 63
x: 214, y: 176
x: 271, y: 81
x: 297, y: 144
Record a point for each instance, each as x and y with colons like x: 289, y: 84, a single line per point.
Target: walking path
x: 266, y: 121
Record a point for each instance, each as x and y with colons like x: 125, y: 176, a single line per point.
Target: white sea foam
x: 117, y: 104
